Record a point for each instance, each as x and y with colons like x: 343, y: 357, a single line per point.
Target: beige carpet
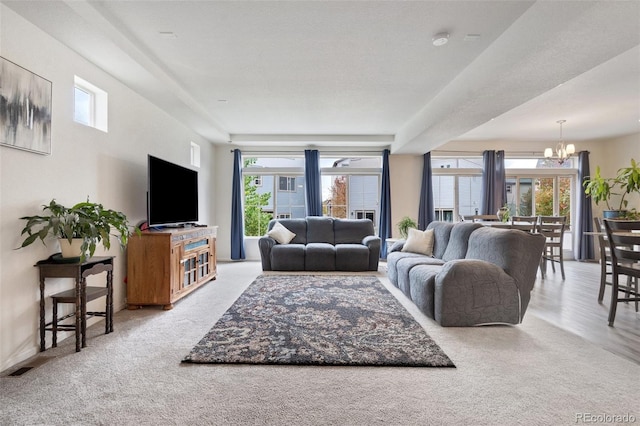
x: 532, y: 374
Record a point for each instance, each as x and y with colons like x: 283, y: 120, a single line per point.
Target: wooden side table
x: 53, y: 268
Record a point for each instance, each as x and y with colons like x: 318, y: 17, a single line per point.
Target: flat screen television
x: 172, y: 197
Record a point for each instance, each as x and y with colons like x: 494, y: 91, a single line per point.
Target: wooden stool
x: 69, y: 296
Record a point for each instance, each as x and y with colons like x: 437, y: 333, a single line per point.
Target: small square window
x: 90, y: 104
x: 286, y: 183
x: 195, y: 154
x: 83, y: 106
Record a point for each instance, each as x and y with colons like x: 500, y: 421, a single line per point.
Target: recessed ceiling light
x: 222, y: 101
x: 440, y: 39
x: 471, y: 37
x: 167, y: 34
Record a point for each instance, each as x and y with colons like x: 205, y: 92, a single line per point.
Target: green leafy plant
x: 632, y: 214
x: 629, y: 179
x: 404, y: 225
x: 601, y: 189
x: 505, y: 213
x: 86, y: 220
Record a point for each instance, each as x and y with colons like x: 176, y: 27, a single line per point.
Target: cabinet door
x: 177, y: 273
x: 190, y: 270
x: 204, y: 264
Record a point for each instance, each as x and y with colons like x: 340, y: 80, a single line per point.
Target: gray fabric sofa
x: 477, y: 274
x: 322, y: 244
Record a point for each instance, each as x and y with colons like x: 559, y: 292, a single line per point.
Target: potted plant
x: 601, y: 189
x: 504, y: 213
x: 82, y: 226
x: 404, y: 225
x: 629, y: 178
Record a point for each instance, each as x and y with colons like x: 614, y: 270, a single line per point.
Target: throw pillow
x: 281, y: 234
x: 419, y: 242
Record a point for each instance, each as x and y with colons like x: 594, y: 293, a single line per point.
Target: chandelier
x: 562, y: 152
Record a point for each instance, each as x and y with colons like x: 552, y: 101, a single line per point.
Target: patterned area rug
x: 318, y: 320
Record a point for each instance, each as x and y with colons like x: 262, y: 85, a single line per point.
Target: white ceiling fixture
x: 167, y: 34
x: 440, y: 39
x: 563, y: 153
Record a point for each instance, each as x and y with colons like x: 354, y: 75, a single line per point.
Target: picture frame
x: 25, y: 109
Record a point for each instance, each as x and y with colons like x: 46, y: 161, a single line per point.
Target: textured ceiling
x: 365, y: 73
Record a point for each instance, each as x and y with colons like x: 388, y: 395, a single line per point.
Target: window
x: 444, y: 215
x: 275, y: 188
x: 195, y: 154
x: 286, y: 183
x: 366, y: 214
x: 90, y: 104
x: 534, y: 187
x: 84, y: 106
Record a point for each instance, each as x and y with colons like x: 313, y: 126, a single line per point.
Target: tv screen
x: 172, y: 197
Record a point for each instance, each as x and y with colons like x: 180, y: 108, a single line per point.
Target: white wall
x: 110, y: 168
x: 405, y: 174
x: 611, y: 155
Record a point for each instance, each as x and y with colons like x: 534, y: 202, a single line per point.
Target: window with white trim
x: 274, y: 187
x: 90, y: 104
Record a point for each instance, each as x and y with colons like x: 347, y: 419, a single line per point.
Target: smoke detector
x: 440, y: 39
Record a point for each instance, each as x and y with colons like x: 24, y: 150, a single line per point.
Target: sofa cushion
x: 405, y: 265
x: 422, y: 280
x: 352, y: 257
x: 392, y: 264
x: 320, y: 257
x: 297, y: 226
x: 420, y: 242
x: 352, y: 231
x: 459, y: 240
x: 320, y: 230
x: 281, y: 234
x: 441, y: 233
x: 287, y: 257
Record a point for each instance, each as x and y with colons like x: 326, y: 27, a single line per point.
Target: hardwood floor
x: 573, y: 305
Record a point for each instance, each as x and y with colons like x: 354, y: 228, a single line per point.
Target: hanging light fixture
x: 562, y: 152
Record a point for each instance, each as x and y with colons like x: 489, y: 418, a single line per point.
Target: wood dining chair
x: 525, y: 223
x: 552, y: 227
x: 605, y: 256
x: 624, y: 242
x: 482, y: 218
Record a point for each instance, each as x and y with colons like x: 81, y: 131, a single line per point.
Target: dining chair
x: 525, y: 223
x: 482, y: 218
x: 624, y: 243
x: 552, y: 227
x: 605, y: 256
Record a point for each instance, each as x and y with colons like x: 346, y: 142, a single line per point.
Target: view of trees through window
x: 457, y: 188
x: 256, y: 217
x: 275, y: 188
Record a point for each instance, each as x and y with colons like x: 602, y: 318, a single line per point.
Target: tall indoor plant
x: 601, y: 189
x: 88, y: 223
x: 404, y: 225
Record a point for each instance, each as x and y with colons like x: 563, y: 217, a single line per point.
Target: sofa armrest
x: 265, y: 244
x: 473, y: 292
x: 372, y: 242
x: 397, y: 246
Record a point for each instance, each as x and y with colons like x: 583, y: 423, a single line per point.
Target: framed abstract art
x: 25, y: 109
